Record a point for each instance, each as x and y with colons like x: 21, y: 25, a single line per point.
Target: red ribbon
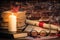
x: 41, y: 24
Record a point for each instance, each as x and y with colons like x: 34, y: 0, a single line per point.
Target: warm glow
x: 12, y: 23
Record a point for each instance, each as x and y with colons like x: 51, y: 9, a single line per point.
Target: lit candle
x: 12, y: 23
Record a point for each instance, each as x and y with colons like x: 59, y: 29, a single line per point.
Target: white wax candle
x: 12, y: 23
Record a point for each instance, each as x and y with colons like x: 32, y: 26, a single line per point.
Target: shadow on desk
x: 55, y: 38
x: 12, y: 39
x: 21, y: 38
x: 27, y: 39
